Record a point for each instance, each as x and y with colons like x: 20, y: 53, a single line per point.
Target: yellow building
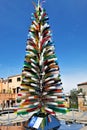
x: 14, y: 83
x: 3, y: 85
x: 67, y: 100
x: 11, y: 84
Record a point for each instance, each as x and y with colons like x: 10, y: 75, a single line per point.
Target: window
x: 9, y: 80
x: 80, y: 90
x: 14, y: 90
x: 4, y: 91
x: 18, y: 89
x: 66, y: 100
x: 18, y: 124
x: 18, y: 79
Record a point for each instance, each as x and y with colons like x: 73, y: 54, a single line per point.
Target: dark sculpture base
x: 34, y: 123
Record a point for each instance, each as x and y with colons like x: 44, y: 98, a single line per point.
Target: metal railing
x: 9, y: 117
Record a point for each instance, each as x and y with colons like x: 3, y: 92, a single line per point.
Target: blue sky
x: 68, y: 22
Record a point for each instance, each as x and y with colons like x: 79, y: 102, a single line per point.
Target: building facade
x: 14, y: 83
x: 15, y: 127
x: 8, y: 91
x: 82, y: 96
x: 83, y: 87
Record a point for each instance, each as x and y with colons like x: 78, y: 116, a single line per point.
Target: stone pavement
x: 74, y: 116
x: 84, y: 128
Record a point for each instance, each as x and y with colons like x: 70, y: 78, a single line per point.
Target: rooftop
x: 14, y: 76
x: 84, y: 83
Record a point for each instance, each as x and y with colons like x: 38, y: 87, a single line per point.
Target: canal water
x: 73, y: 126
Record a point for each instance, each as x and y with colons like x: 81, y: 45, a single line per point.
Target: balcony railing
x: 7, y: 96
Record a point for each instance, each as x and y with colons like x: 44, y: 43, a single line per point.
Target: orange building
x: 8, y: 90
x: 16, y: 127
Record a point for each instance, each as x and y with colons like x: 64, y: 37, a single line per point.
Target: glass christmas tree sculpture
x: 41, y: 89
